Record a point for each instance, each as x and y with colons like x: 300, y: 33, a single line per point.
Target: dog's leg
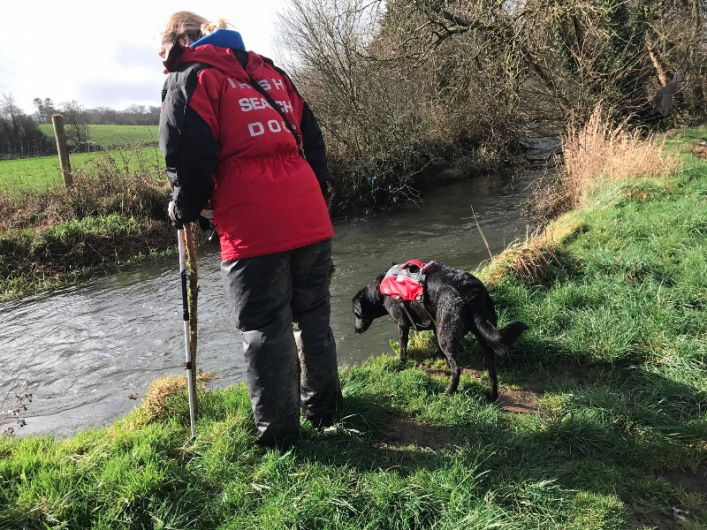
x: 456, y: 372
x: 438, y: 350
x: 491, y: 342
x: 447, y: 347
x: 491, y: 367
x: 403, y: 333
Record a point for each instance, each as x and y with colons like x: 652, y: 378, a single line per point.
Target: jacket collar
x: 223, y: 59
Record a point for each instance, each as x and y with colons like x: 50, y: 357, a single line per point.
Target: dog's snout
x: 361, y: 325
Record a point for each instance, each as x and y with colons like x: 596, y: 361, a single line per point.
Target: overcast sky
x: 105, y: 53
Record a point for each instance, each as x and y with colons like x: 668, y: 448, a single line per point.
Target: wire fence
x: 47, y: 147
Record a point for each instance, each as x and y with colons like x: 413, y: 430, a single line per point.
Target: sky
x: 105, y: 53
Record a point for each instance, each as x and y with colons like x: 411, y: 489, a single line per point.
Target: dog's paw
x: 491, y: 396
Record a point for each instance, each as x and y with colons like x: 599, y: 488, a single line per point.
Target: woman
x: 235, y: 131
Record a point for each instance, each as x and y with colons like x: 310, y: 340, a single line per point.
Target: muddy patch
x: 694, y: 480
x: 515, y: 401
x: 519, y: 401
x: 399, y: 431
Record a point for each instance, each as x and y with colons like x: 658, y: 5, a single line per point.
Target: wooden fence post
x: 62, y: 149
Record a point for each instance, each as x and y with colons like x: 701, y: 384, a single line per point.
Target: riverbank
x: 115, y: 218
x: 109, y: 337
x: 601, y: 421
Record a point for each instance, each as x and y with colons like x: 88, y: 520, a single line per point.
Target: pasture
x: 108, y: 135
x: 42, y: 173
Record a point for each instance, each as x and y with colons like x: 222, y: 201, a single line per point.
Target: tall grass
x: 598, y: 149
x: 595, y: 153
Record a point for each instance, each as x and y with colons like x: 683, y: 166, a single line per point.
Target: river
x: 86, y: 353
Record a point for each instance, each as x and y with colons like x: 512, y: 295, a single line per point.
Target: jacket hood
x: 223, y: 59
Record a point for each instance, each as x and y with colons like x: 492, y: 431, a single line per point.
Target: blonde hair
x: 192, y: 25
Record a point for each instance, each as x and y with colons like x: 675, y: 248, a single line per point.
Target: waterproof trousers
x: 269, y: 294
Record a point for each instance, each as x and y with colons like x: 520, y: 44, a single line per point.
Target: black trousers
x: 269, y: 294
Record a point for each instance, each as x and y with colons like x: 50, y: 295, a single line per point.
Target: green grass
x: 33, y: 260
x: 612, y: 373
x: 43, y: 173
x: 108, y: 135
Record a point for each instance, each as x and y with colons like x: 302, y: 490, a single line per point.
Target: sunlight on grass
x: 614, y: 358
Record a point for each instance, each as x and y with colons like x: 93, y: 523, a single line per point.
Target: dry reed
x: 594, y: 153
x: 530, y: 261
x: 598, y: 150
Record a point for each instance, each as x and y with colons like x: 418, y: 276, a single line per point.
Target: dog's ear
x: 359, y: 296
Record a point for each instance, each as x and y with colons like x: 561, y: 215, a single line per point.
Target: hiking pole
x: 190, y: 289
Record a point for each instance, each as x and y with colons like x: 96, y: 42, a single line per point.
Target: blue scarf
x: 224, y: 38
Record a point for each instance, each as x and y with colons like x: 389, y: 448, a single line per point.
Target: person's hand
x: 205, y: 217
x: 173, y: 214
x: 205, y: 223
x: 327, y: 192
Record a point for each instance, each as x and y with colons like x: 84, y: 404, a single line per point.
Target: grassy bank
x: 601, y: 423
x: 33, y: 259
x: 114, y: 215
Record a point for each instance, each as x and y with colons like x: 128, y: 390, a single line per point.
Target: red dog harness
x: 406, y: 283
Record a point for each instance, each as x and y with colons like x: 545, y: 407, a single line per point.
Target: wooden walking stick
x: 190, y: 292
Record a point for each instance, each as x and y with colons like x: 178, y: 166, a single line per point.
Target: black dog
x: 455, y: 302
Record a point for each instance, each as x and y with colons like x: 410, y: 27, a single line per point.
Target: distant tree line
x: 19, y: 134
x: 21, y: 137
x: 132, y: 115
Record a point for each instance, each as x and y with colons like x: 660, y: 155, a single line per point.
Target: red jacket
x: 222, y: 140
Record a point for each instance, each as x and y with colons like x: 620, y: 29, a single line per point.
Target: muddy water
x: 87, y: 352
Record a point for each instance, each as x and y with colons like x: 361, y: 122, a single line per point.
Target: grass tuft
x: 161, y: 391
x: 532, y: 261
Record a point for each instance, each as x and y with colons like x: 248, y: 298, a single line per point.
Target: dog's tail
x: 498, y: 339
x: 512, y: 331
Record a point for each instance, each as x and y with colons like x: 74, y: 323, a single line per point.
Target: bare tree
x: 75, y: 117
x: 45, y: 109
x: 401, y: 84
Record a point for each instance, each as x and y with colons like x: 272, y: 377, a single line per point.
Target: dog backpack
x: 406, y: 281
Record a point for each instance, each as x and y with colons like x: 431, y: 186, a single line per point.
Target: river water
x: 84, y: 352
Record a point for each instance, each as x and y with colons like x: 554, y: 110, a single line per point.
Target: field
x: 601, y: 423
x: 108, y: 135
x: 43, y: 172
